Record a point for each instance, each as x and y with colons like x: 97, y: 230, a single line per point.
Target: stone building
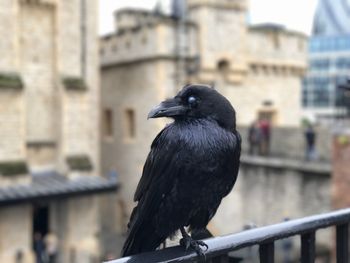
x: 150, y: 56
x: 49, y: 149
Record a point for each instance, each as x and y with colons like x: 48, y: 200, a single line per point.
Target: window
x: 108, y: 123
x: 320, y: 64
x: 324, y: 44
x: 223, y: 66
x: 129, y: 124
x: 275, y: 70
x: 343, y: 63
x: 254, y: 68
x: 275, y: 40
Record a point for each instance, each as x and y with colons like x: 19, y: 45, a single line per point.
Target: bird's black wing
x: 158, y: 178
x: 157, y: 165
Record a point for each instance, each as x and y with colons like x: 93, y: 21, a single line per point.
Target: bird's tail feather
x: 142, y: 237
x: 203, y: 233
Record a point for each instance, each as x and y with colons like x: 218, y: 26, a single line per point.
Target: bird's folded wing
x: 158, y: 160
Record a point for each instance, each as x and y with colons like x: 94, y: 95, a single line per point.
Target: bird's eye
x: 192, y: 101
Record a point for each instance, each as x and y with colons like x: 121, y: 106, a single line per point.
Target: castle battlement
x: 128, y: 18
x: 271, y: 45
x: 225, y: 4
x: 143, y: 35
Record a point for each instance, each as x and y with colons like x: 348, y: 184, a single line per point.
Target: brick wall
x: 341, y: 172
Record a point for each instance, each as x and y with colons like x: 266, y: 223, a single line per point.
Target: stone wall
x: 12, y: 124
x: 81, y: 239
x: 269, y: 190
x: 290, y: 142
x: 147, y: 42
x: 41, y: 49
x: 12, y: 112
x: 341, y: 174
x: 9, y: 42
x: 215, y: 24
x: 69, y: 37
x: 42, y: 121
x: 78, y: 50
x: 15, y: 224
x: 259, y: 89
x: 274, y: 46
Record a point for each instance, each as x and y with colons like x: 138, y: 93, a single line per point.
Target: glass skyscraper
x: 329, y: 59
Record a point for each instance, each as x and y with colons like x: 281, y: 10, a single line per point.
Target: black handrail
x: 265, y: 237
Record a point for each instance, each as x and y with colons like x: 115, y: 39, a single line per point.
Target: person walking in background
x: 254, y: 138
x: 39, y: 248
x: 265, y: 127
x: 310, y: 139
x: 51, y: 243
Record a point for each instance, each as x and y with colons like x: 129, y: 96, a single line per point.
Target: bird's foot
x: 188, y: 242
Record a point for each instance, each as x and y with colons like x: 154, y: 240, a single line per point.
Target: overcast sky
x: 294, y: 14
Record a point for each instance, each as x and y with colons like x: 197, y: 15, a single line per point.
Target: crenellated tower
x: 222, y: 37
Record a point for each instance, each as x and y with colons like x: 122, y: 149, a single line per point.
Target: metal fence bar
x: 222, y: 245
x: 220, y: 259
x: 267, y: 253
x: 343, y: 243
x: 308, y: 248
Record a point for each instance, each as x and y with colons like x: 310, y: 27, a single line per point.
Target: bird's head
x: 197, y: 102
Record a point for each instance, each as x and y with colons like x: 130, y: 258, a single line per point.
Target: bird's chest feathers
x: 202, y: 139
x: 204, y: 151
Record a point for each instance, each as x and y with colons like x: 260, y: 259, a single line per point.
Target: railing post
x: 267, y: 253
x: 308, y: 248
x: 342, y: 243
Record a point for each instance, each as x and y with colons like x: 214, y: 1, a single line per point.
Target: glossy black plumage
x: 192, y: 165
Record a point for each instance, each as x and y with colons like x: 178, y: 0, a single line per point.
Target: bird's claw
x: 203, y: 244
x: 188, y: 242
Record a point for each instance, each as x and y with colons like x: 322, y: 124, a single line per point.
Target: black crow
x: 192, y: 165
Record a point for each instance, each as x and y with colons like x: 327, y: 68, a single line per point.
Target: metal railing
x: 265, y: 238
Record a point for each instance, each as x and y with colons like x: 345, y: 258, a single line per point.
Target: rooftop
x: 273, y: 27
x: 53, y: 185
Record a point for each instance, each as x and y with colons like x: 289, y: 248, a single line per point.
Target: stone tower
x: 222, y: 36
x: 49, y: 96
x: 48, y: 82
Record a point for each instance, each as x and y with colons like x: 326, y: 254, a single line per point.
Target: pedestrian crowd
x: 259, y: 135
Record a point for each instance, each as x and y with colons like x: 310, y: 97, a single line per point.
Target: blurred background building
x: 329, y: 61
x: 69, y: 114
x: 259, y: 68
x: 49, y: 112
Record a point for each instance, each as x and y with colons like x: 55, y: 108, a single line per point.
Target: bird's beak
x: 168, y: 108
